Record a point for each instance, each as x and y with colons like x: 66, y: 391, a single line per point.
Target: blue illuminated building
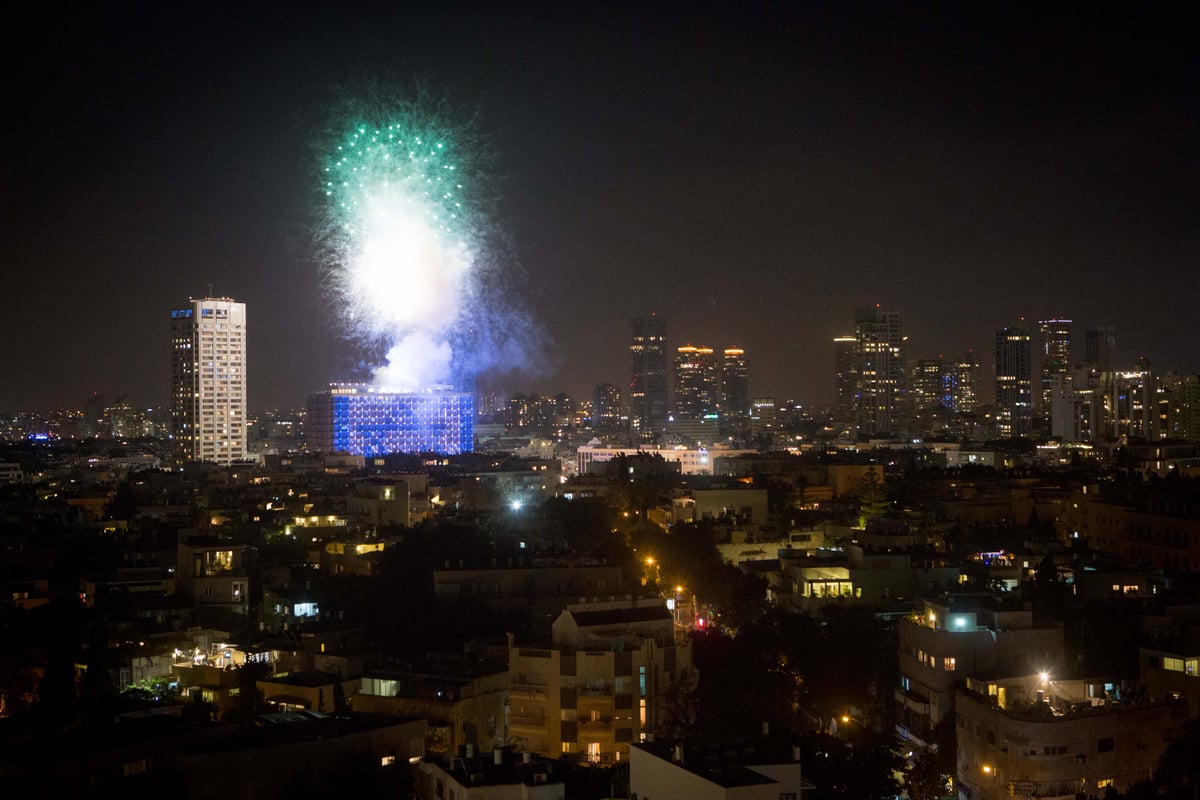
x: 356, y: 419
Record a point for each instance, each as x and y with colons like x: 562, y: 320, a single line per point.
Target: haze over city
x: 751, y: 174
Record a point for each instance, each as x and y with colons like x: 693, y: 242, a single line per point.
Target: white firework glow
x: 408, y: 252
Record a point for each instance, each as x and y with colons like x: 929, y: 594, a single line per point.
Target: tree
x: 924, y: 779
x: 872, y: 496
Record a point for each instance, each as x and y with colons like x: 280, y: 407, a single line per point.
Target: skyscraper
x: 929, y: 391
x: 697, y: 382
x: 648, y: 375
x: 965, y: 379
x: 208, y: 380
x: 877, y: 371
x: 1014, y: 383
x: 735, y: 382
x: 92, y: 426
x: 1056, y: 356
x: 844, y: 350
x: 1101, y: 348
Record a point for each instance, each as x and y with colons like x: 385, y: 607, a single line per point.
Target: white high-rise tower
x: 208, y: 380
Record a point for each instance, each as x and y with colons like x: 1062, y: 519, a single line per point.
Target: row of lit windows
x: 1188, y: 666
x: 948, y: 663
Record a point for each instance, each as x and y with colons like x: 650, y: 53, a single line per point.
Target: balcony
x: 912, y: 701
x: 532, y: 691
x: 527, y: 721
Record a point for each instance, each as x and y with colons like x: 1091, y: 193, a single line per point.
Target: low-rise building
x: 659, y: 771
x: 602, y: 683
x: 211, y: 573
x: 1034, y: 736
x: 964, y: 635
x: 538, y: 588
x: 464, y: 702
x: 1173, y: 672
x: 394, y: 500
x: 498, y: 775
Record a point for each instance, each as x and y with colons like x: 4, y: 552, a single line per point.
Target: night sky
x: 752, y: 172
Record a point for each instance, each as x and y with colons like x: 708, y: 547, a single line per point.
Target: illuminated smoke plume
x: 411, y: 252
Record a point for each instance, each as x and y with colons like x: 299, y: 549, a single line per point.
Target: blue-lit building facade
x: 356, y: 419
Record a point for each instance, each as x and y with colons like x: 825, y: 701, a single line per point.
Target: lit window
x: 949, y: 664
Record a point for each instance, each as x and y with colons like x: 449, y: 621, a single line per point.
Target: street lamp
x: 846, y: 719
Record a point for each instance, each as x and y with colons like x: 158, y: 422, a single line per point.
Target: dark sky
x: 753, y: 172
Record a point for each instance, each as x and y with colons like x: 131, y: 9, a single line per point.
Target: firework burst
x: 410, y: 247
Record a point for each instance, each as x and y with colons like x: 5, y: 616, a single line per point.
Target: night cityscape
x: 582, y: 402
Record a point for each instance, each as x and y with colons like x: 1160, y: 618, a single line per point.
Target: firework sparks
x: 408, y: 249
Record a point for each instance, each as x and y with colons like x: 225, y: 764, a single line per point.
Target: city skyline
x: 752, y: 175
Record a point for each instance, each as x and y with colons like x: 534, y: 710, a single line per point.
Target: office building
x: 697, y: 382
x: 357, y: 419
x: 735, y: 383
x: 1101, y: 348
x: 844, y: 348
x: 1056, y: 356
x: 877, y: 385
x: 208, y: 380
x: 1014, y: 383
x: 648, y: 375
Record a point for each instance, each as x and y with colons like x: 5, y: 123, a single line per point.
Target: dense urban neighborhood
x: 833, y: 621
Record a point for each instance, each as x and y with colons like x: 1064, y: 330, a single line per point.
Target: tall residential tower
x: 208, y: 380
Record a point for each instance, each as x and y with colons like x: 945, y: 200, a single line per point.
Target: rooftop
x: 484, y: 770
x: 728, y: 764
x: 620, y: 616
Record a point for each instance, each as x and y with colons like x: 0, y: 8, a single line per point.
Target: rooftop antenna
x: 210, y: 290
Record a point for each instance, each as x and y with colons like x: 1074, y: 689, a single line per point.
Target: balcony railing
x: 595, y: 726
x: 530, y: 690
x: 527, y: 720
